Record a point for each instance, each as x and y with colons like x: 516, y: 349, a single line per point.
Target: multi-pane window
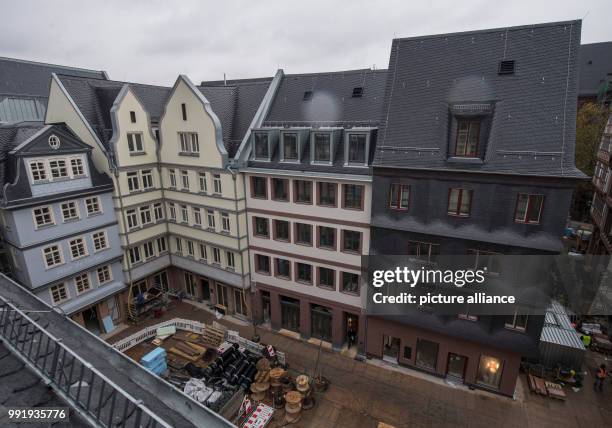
x: 303, y: 233
x: 304, y: 273
x: 459, y: 202
x: 133, y: 182
x: 290, y: 147
x: 100, y: 241
x: 322, y: 147
x: 349, y: 282
x: 135, y: 255
x: 148, y: 250
x: 147, y: 178
x: 281, y: 230
x: 197, y: 216
x: 145, y: 215
x: 104, y: 274
x: 240, y: 302
x: 158, y: 211
x: 487, y: 260
x: 189, y: 142
x: 161, y: 244
x: 468, y: 133
x: 77, y: 167
x: 184, y: 214
x: 82, y: 283
x: 172, y: 208
x: 280, y: 189
x: 302, y: 191
x: 179, y: 244
x: 353, y: 196
x: 261, y: 227
x: 52, y: 255
x: 78, y: 248
x: 135, y: 142
x: 262, y: 264
x: 202, y: 182
x: 518, y: 320
x: 93, y: 205
x: 216, y: 255
x: 283, y: 268
x: 528, y: 208
x: 203, y: 252
x: 399, y: 196
x: 172, y: 174
x: 262, y: 149
x: 231, y: 263
x: 327, y: 194
x: 43, y: 216
x: 38, y: 171
x: 357, y: 149
x: 70, y: 211
x: 185, y: 179
x: 190, y: 248
x: 132, y: 219
x: 327, y: 237
x: 351, y: 241
x: 423, y: 250
x: 327, y: 277
x: 217, y: 184
x: 259, y: 187
x: 210, y: 215
x: 58, y: 168
x: 225, y: 222
x: 59, y: 293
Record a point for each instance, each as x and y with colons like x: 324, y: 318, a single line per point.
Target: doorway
x: 351, y: 329
x: 265, y: 306
x: 205, y: 286
x: 92, y: 322
x: 321, y: 322
x: 455, y: 368
x: 391, y: 347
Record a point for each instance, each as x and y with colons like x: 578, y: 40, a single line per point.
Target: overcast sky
x: 153, y: 41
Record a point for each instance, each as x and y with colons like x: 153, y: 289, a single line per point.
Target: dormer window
x: 322, y: 147
x: 468, y: 135
x: 262, y: 146
x: 290, y: 147
x: 357, y: 149
x: 357, y: 92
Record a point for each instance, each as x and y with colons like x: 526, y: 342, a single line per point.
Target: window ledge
x: 71, y: 220
x: 189, y: 154
x: 95, y: 214
x: 185, y: 190
x: 465, y: 160
x: 138, y: 153
x: 45, y: 226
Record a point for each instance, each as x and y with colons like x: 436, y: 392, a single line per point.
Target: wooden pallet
x: 212, y: 337
x: 555, y: 391
x: 537, y: 385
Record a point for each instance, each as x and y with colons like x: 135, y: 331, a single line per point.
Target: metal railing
x: 96, y: 398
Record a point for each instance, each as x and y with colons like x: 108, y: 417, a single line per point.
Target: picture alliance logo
x: 411, y: 277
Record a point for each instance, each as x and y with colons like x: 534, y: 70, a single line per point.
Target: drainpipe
x: 127, y: 236
x: 233, y: 173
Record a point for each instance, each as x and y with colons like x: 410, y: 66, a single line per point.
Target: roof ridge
x: 491, y: 30
x: 115, y: 81
x: 48, y: 64
x: 353, y: 71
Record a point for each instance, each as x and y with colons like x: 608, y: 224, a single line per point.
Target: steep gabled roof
x: 29, y: 78
x: 533, y: 110
x: 331, y: 102
x: 235, y: 104
x: 10, y: 137
x: 95, y: 97
x: 595, y: 64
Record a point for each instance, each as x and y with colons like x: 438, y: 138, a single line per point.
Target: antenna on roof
x: 224, y: 80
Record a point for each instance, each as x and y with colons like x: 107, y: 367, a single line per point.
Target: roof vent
x: 307, y: 95
x: 357, y: 92
x: 506, y: 67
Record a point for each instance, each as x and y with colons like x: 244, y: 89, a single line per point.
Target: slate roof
x: 235, y: 103
x: 29, y: 78
x: 533, y: 121
x: 10, y: 137
x: 95, y: 97
x: 595, y: 64
x: 332, y: 105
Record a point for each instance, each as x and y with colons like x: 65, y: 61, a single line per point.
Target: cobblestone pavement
x: 362, y: 394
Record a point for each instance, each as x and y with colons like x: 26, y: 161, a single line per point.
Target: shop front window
x: 290, y: 313
x: 427, y: 354
x: 489, y: 371
x: 321, y: 322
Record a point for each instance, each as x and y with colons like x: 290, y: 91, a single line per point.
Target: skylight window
x: 506, y: 67
x: 307, y: 95
x: 357, y: 92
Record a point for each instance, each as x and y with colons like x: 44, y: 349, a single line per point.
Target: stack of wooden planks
x: 555, y: 391
x: 537, y: 384
x: 187, y: 350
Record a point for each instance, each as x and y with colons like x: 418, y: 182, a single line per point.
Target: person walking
x: 600, y: 378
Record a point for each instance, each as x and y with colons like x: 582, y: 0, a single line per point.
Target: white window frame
x: 217, y: 187
x: 184, y: 213
x: 76, y: 283
x: 162, y: 245
x: 85, y: 249
x: 225, y: 222
x: 148, y: 174
x: 80, y: 164
x: 231, y: 259
x: 39, y: 171
x: 148, y: 249
x: 108, y: 274
x: 184, y: 179
x: 210, y: 219
x: 197, y: 216
x: 146, y: 216
x: 129, y: 215
x: 133, y: 181
x: 172, y: 175
x: 172, y: 209
x: 133, y: 148
x: 216, y: 255
x: 134, y: 251
x: 95, y: 237
x: 88, y: 203
x: 76, y: 210
x: 60, y: 254
x: 66, y: 167
x: 202, y: 179
x: 66, y: 292
x: 49, y: 208
x: 158, y: 211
